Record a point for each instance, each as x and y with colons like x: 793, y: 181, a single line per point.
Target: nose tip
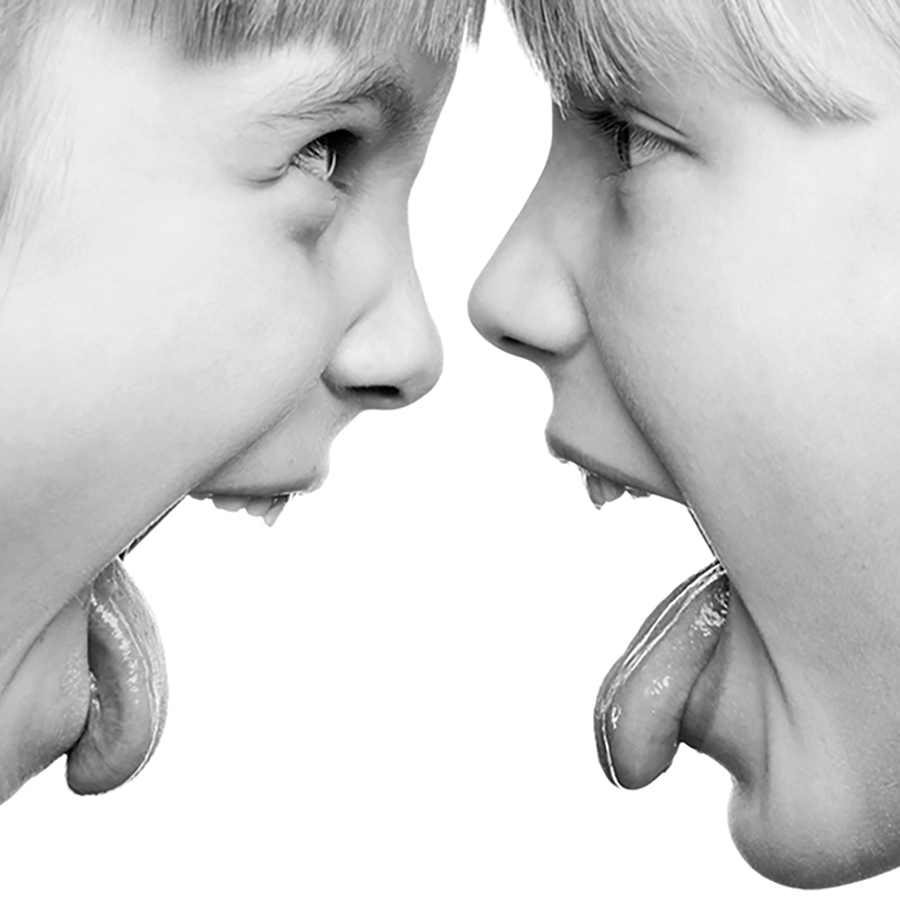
x: 389, y: 358
x: 524, y: 303
x: 491, y: 313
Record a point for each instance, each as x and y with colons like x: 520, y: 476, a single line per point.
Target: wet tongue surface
x: 128, y: 686
x: 641, y: 703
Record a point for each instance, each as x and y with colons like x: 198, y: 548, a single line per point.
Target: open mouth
x: 266, y: 508
x: 604, y: 484
x: 643, y: 700
x: 603, y: 490
x: 699, y: 671
x: 644, y: 697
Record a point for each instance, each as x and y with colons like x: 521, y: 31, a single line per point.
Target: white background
x: 391, y: 692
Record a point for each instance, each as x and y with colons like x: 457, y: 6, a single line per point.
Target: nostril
x: 378, y: 396
x: 512, y: 345
x: 522, y: 348
x: 375, y: 391
x: 371, y: 395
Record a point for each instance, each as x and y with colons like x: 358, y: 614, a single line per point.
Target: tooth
x: 258, y: 506
x: 275, y: 510
x: 601, y: 490
x: 229, y: 502
x: 594, y: 488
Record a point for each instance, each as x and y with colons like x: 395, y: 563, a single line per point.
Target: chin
x: 824, y: 850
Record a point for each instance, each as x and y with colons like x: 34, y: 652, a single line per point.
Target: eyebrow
x: 386, y: 87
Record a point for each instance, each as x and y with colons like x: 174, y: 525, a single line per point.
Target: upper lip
x: 260, y: 493
x: 300, y: 485
x: 564, y: 451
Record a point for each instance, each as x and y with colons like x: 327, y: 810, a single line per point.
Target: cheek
x: 190, y: 342
x: 205, y: 285
x: 766, y: 371
x: 742, y: 336
x: 249, y: 351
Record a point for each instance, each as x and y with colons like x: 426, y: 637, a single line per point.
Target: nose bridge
x: 526, y: 300
x: 391, y: 355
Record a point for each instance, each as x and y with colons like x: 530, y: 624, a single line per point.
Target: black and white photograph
x: 449, y: 449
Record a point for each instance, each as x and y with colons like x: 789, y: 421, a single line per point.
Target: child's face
x: 713, y: 291
x: 216, y: 277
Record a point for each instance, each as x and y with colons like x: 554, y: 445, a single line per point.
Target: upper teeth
x: 267, y: 508
x: 602, y: 490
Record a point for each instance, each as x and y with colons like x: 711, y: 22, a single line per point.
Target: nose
x: 529, y: 301
x: 525, y: 302
x: 391, y: 355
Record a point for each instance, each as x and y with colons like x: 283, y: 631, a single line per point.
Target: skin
x: 718, y: 317
x: 188, y: 306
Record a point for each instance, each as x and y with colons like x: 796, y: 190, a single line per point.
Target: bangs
x: 608, y: 48
x: 207, y: 30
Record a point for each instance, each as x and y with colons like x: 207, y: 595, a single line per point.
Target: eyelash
x: 627, y: 139
x: 326, y: 155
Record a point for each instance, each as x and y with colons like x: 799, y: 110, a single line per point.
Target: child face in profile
x: 206, y: 274
x: 708, y: 271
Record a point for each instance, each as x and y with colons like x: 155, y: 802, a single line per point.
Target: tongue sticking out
x: 643, y: 698
x: 128, y: 686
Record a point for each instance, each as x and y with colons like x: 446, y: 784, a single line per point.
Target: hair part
x: 608, y: 47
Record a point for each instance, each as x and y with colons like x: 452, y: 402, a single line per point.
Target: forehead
x: 780, y: 48
x: 406, y: 85
x: 133, y: 90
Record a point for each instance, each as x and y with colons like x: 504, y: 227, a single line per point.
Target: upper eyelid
x: 650, y: 125
x: 642, y: 119
x: 370, y: 124
x: 629, y: 113
x: 392, y: 104
x: 309, y: 128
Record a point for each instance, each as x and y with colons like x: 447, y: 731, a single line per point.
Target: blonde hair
x: 606, y: 47
x: 216, y: 29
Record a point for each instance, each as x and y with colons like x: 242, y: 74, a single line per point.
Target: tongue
x: 643, y: 698
x: 128, y: 686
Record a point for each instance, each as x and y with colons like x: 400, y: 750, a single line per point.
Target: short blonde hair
x: 216, y: 29
x: 606, y: 46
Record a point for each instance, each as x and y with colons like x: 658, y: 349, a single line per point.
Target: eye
x: 632, y: 144
x: 326, y: 155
